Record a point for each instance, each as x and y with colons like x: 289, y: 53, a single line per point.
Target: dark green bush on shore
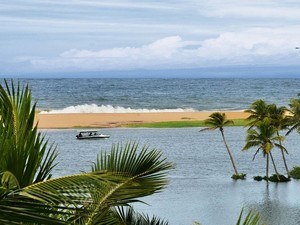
x: 295, y: 172
x: 241, y: 176
x: 282, y: 178
x: 258, y: 178
x: 272, y: 178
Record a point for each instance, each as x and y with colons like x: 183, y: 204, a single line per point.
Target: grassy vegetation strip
x: 180, y: 124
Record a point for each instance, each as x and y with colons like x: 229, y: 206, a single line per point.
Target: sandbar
x: 99, y: 120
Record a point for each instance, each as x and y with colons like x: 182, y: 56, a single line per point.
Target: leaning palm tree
x: 218, y: 120
x: 264, y: 137
x: 280, y: 121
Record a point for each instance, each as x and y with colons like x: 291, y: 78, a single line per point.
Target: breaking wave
x: 93, y: 108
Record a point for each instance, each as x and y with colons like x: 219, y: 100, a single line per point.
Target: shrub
x: 241, y: 176
x: 295, y: 173
x: 282, y: 178
x: 258, y: 178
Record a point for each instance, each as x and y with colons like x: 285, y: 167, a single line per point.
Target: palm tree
x: 258, y: 111
x: 118, y: 178
x: 295, y: 117
x: 280, y: 121
x: 218, y: 120
x: 25, y: 157
x: 265, y: 138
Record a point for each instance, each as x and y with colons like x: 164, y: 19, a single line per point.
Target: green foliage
x: 241, y: 176
x: 126, y: 215
x: 250, y: 219
x: 258, y: 111
x: 258, y: 178
x: 217, y: 120
x: 264, y: 137
x: 273, y: 178
x: 118, y: 178
x: 295, y: 172
x: 295, y: 115
x: 168, y: 124
x: 282, y: 178
x: 24, y: 155
x: 181, y: 124
x: 196, y: 223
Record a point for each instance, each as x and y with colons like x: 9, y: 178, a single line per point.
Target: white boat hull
x: 99, y: 136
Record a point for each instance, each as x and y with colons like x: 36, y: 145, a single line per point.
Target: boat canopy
x: 88, y: 131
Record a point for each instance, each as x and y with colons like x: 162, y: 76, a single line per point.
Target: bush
x: 272, y: 178
x: 295, y: 173
x: 241, y: 176
x: 258, y: 178
x: 282, y: 178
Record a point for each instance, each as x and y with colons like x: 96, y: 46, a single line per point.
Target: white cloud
x: 254, y: 46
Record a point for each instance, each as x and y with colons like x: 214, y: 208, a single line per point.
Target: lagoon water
x: 200, y: 186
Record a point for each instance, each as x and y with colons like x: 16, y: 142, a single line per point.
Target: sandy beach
x: 48, y: 121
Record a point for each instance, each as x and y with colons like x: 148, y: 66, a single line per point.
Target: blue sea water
x: 196, y: 94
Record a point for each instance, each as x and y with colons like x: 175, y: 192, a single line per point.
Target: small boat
x: 91, y: 134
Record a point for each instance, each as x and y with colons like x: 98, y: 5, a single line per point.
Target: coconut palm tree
x: 218, y: 120
x: 118, y: 178
x: 264, y: 137
x: 295, y: 117
x: 281, y: 121
x: 25, y: 156
x: 258, y: 111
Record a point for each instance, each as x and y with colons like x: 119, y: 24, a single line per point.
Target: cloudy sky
x: 57, y: 36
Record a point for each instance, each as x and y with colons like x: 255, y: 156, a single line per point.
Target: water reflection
x: 279, y: 204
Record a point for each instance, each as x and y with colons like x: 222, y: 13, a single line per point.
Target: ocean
x: 200, y: 187
x: 155, y: 95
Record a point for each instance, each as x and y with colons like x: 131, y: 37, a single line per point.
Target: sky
x: 84, y: 36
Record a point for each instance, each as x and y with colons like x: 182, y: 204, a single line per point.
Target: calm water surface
x: 200, y: 186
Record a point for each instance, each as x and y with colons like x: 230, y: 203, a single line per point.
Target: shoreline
x: 111, y: 120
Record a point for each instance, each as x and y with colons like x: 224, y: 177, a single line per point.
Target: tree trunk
x: 283, y: 157
x: 230, y: 155
x: 267, y: 168
x: 274, y: 167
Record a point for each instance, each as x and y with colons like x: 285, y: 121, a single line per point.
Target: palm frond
x: 128, y: 216
x: 118, y: 178
x: 250, y: 219
x: 217, y: 120
x: 24, y: 152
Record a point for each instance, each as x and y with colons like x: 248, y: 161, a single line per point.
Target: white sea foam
x: 93, y: 108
